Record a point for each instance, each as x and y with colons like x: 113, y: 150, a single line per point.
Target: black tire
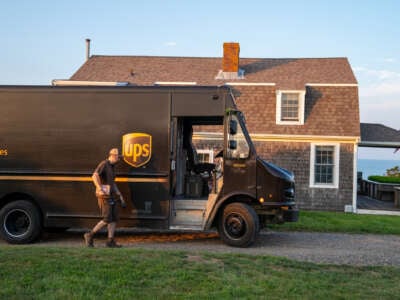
x: 238, y: 225
x: 20, y: 222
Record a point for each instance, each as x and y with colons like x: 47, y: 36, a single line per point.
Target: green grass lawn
x: 342, y: 222
x: 36, y: 272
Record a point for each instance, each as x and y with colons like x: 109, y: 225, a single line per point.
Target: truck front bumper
x: 278, y: 214
x: 291, y: 214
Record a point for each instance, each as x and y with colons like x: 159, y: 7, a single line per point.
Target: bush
x: 384, y: 179
x: 393, y: 172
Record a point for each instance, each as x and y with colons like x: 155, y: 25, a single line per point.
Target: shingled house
x: 302, y: 113
x: 379, y: 135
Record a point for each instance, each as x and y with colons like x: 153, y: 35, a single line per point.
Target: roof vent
x: 87, y: 49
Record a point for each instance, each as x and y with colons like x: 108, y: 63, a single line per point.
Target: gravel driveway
x: 331, y: 248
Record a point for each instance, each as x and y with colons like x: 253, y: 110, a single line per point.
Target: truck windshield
x: 238, y: 147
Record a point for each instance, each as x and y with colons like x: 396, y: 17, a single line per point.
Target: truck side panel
x: 197, y: 104
x: 54, y: 138
x: 72, y: 130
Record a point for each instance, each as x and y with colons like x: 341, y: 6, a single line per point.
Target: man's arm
x: 97, y: 183
x: 121, y: 198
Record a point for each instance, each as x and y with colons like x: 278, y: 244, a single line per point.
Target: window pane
x: 324, y: 164
x: 204, y: 157
x: 290, y: 107
x: 242, y: 149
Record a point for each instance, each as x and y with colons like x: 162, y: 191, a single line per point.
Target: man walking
x: 107, y: 194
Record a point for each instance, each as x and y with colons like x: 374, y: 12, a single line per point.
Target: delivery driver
x: 107, y: 194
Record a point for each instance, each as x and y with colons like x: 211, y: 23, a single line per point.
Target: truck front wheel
x: 238, y: 225
x: 20, y: 222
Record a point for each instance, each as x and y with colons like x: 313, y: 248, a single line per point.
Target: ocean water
x: 370, y: 167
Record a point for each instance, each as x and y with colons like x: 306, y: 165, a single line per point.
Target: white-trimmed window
x: 324, y: 165
x: 205, y: 155
x: 290, y: 107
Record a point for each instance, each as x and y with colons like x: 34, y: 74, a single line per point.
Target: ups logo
x: 136, y: 148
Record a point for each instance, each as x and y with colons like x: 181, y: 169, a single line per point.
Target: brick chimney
x: 230, y: 61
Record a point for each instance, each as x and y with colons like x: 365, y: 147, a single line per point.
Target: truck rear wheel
x: 238, y: 225
x: 20, y: 222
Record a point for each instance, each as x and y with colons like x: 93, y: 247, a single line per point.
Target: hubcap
x: 235, y: 225
x: 17, y: 222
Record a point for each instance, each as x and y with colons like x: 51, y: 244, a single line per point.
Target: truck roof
x: 116, y: 87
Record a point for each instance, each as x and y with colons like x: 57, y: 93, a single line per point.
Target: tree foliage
x: 393, y: 172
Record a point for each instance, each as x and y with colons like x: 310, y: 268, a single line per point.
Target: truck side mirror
x: 232, y: 127
x: 232, y: 144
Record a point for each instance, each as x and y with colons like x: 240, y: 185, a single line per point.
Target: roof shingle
x: 379, y: 133
x: 287, y: 73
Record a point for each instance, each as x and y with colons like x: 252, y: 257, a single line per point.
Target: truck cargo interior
x: 194, y: 181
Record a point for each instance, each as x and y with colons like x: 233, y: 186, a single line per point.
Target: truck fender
x: 7, y: 198
x: 241, y: 196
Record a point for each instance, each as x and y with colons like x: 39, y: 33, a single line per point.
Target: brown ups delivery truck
x: 52, y: 138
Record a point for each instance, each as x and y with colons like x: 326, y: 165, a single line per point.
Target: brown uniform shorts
x: 109, y: 209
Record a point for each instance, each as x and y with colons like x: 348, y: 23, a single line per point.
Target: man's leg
x: 98, y: 226
x: 111, y: 228
x: 110, y: 241
x: 89, y: 235
x: 104, y: 212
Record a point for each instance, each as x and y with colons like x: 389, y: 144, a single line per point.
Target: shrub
x: 384, y: 179
x: 393, y: 172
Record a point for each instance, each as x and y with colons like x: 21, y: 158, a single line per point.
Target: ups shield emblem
x: 136, y: 149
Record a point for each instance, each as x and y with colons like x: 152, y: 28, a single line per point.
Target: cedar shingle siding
x: 296, y: 157
x: 331, y: 109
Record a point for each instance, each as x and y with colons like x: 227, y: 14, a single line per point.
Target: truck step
x: 190, y: 204
x: 186, y: 227
x: 187, y: 217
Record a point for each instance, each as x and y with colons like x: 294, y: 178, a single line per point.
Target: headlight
x: 289, y: 193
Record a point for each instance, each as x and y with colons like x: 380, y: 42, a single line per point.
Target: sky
x: 44, y: 40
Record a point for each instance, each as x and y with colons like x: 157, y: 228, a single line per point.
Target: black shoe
x: 88, y: 240
x: 112, y: 244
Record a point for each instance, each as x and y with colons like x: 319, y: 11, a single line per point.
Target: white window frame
x: 210, y: 152
x: 336, y: 153
x: 301, y: 97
